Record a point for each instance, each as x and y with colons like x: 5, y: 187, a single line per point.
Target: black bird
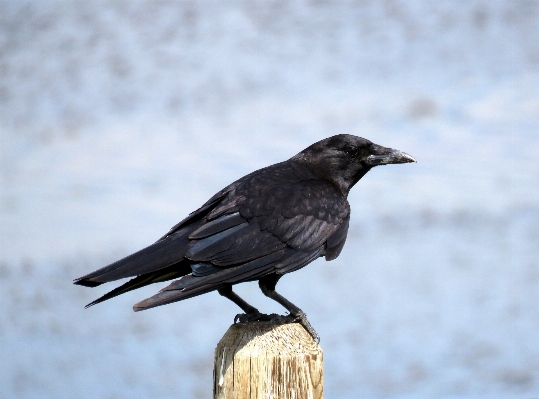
x: 271, y: 222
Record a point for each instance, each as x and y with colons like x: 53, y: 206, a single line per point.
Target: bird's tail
x: 156, y: 257
x: 168, y: 273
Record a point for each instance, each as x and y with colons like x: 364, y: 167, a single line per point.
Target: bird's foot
x: 301, y: 318
x: 276, y: 319
x: 254, y: 316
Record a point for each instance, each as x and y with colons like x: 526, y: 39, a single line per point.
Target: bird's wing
x: 278, y: 210
x: 303, y: 214
x: 223, y: 202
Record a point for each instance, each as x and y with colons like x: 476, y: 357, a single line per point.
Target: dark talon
x: 301, y: 318
x: 255, y: 316
x: 277, y: 320
x: 247, y: 317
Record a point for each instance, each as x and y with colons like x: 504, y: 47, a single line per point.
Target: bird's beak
x: 384, y: 156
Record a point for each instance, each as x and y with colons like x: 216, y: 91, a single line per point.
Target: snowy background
x: 117, y: 118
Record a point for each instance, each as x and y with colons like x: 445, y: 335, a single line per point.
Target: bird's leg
x: 251, y: 313
x: 267, y: 285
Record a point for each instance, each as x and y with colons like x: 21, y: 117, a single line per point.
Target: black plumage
x: 271, y: 222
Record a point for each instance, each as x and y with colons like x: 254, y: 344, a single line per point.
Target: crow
x: 273, y: 221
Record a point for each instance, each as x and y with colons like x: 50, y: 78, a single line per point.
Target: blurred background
x: 118, y: 118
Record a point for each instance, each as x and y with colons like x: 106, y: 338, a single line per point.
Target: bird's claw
x: 255, y: 316
x: 275, y: 319
x: 301, y: 318
x: 246, y: 317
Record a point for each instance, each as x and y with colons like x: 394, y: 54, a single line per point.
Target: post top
x: 283, y: 339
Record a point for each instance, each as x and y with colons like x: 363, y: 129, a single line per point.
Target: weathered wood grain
x: 259, y: 361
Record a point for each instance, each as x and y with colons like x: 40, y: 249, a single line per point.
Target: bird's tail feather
x: 155, y: 257
x: 166, y: 274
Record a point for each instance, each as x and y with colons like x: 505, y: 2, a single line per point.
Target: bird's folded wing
x: 221, y: 201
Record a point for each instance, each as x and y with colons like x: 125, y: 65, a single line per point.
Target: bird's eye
x: 351, y: 150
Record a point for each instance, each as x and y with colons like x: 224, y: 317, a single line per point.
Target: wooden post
x: 259, y: 361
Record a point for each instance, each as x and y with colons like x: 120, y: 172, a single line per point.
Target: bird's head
x: 344, y: 159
